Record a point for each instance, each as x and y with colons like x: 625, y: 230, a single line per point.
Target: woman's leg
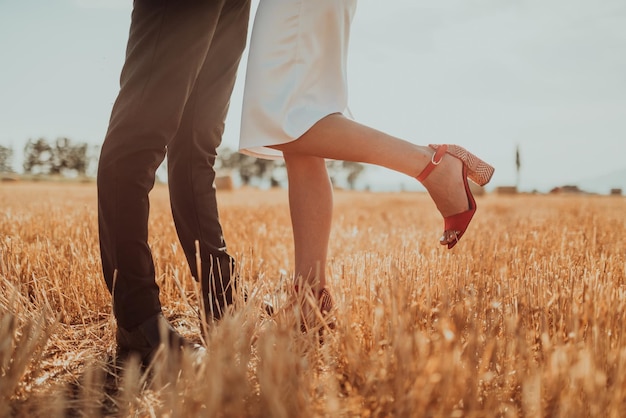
x: 311, y: 206
x: 336, y: 137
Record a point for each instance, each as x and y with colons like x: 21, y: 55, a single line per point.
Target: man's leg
x: 191, y: 156
x: 167, y: 45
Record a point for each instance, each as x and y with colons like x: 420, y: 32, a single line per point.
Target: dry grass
x: 524, y: 317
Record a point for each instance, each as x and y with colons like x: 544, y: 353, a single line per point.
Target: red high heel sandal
x: 473, y: 168
x: 324, y: 305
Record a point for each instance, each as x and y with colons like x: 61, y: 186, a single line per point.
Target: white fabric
x: 296, y: 72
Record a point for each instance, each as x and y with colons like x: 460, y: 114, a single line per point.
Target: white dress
x: 296, y: 72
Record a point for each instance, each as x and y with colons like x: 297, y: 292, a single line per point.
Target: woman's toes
x: 448, y: 237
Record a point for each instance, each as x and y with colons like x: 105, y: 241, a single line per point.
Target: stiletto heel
x: 473, y: 168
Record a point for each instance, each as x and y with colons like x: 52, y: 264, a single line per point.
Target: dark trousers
x: 175, y: 86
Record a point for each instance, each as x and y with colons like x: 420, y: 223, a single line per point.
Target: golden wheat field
x: 524, y: 318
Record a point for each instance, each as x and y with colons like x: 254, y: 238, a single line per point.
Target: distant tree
x: 344, y: 172
x: 69, y: 157
x: 37, y: 156
x: 354, y: 171
x: 64, y: 157
x: 6, y: 159
x: 250, y: 168
x: 253, y: 169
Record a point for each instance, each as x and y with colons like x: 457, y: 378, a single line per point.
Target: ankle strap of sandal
x: 434, y: 162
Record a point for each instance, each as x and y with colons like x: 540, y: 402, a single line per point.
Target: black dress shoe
x: 145, y: 339
x: 219, y: 289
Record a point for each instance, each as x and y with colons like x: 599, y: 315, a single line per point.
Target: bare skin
x: 310, y: 191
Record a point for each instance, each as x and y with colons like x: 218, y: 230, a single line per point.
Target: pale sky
x: 549, y: 75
